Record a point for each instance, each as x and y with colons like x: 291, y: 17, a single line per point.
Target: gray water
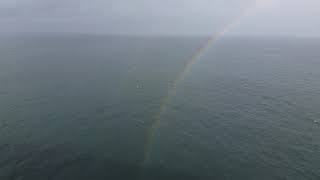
x: 80, y: 107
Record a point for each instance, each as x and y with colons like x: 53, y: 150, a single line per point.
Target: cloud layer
x: 196, y: 17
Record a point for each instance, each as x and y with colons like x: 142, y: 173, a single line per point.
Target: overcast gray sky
x: 195, y: 17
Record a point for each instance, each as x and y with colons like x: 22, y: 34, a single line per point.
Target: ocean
x: 80, y: 107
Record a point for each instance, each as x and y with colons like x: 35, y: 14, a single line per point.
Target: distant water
x: 79, y: 107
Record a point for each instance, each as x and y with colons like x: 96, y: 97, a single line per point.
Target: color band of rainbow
x: 173, y: 89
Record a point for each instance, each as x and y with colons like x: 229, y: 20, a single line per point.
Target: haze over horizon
x: 175, y: 17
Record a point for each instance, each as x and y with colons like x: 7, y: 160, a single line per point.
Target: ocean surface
x: 79, y: 107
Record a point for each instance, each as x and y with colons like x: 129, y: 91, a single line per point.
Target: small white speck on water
x: 139, y: 85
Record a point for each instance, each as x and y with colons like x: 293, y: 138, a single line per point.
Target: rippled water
x: 79, y: 107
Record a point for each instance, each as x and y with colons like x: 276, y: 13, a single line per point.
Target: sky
x: 168, y: 17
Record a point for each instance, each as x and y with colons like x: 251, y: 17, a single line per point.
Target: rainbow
x: 181, y: 76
